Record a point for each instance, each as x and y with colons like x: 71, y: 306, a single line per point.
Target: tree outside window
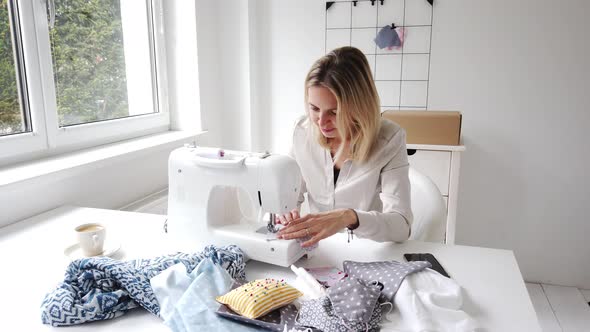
x: 11, y: 118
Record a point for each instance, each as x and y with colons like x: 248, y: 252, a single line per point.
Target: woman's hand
x: 288, y: 217
x: 318, y: 225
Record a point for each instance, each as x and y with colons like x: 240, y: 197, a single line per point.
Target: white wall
x: 253, y: 58
x: 225, y: 73
x: 259, y: 17
x: 516, y: 70
x: 110, y: 184
x: 297, y: 40
x: 182, y: 61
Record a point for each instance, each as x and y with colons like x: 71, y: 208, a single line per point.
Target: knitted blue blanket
x: 102, y: 288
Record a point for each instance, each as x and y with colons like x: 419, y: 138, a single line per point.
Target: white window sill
x: 156, y: 203
x: 92, y: 157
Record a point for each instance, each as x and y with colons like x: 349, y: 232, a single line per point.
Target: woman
x: 354, y: 163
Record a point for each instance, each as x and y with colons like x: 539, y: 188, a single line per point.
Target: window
x: 78, y: 73
x: 12, y: 118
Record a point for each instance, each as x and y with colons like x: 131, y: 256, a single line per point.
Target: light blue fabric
x: 169, y: 286
x: 195, y: 309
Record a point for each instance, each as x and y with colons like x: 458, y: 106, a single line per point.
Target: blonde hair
x: 346, y: 73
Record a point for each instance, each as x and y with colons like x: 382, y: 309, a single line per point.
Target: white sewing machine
x: 219, y: 197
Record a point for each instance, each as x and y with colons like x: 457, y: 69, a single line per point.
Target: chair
x: 428, y: 207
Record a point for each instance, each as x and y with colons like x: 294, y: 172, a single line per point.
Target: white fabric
x: 428, y: 301
x: 307, y: 284
x: 378, y: 190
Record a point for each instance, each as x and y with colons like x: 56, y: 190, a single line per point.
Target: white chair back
x: 428, y: 207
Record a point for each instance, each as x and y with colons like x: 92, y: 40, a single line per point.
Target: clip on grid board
x: 401, y: 75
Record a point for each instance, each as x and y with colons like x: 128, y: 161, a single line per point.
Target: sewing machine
x: 220, y: 197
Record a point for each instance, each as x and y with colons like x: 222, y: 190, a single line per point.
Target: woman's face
x: 322, y: 105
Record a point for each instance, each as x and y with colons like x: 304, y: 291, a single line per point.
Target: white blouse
x: 378, y: 190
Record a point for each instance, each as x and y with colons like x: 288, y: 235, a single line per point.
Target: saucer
x: 75, y: 252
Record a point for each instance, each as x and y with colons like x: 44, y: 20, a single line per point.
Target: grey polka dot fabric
x: 353, y: 300
x: 275, y: 320
x: 319, y: 314
x: 389, y: 273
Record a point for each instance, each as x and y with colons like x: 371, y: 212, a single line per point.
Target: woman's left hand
x: 318, y: 225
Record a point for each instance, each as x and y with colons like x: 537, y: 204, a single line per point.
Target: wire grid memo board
x: 401, y: 75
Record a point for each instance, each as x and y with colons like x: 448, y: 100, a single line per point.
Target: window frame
x: 46, y: 137
x: 35, y: 140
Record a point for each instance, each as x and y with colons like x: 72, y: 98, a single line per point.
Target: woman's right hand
x: 288, y: 217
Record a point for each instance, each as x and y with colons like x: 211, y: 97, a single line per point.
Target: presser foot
x: 272, y: 224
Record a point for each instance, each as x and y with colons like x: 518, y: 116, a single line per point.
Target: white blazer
x: 378, y: 190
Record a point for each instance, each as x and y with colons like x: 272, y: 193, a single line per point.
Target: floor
x: 558, y: 308
x: 561, y: 308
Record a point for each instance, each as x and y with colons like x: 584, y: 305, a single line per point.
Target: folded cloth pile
x: 389, y: 273
x: 101, y: 288
x: 355, y: 303
x: 322, y: 314
x: 187, y: 300
x: 192, y: 301
x: 428, y: 301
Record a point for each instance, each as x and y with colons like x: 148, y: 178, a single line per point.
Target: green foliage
x: 10, y: 116
x: 89, y: 61
x: 88, y: 64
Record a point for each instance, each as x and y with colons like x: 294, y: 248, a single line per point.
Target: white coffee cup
x: 91, y: 238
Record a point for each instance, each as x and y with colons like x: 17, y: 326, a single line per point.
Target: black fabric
x: 336, y: 173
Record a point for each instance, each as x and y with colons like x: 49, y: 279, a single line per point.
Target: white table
x: 32, y: 263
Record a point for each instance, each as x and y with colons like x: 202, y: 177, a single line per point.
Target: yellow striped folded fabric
x: 259, y: 297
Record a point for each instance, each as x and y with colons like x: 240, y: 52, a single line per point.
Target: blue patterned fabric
x: 102, y: 288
